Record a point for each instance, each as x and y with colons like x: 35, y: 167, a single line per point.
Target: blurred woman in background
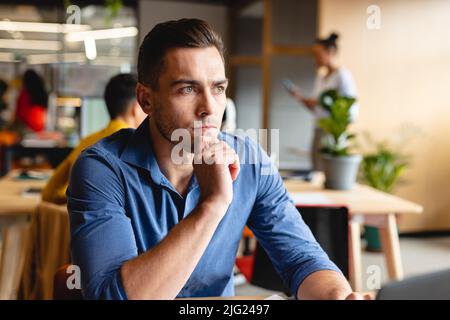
x: 32, y: 102
x: 329, y: 76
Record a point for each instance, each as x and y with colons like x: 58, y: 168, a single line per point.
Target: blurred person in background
x: 32, y: 102
x: 124, y: 111
x: 330, y: 75
x: 3, y: 104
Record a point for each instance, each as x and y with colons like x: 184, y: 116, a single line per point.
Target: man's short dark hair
x: 119, y: 94
x: 183, y: 33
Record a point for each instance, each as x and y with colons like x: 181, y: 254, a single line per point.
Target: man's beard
x: 166, y: 128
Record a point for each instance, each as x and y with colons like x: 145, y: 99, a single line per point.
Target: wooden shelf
x: 269, y: 50
x: 291, y: 50
x: 245, y: 60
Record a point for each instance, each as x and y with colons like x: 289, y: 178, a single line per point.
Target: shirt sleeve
x: 279, y: 228
x: 102, y: 237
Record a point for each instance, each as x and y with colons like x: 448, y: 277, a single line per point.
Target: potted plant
x: 381, y: 169
x: 339, y: 164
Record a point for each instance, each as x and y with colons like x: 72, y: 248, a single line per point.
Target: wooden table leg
x: 14, y: 241
x: 354, y: 228
x: 391, y: 247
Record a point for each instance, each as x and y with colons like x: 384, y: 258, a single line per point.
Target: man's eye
x: 187, y: 90
x: 219, y: 89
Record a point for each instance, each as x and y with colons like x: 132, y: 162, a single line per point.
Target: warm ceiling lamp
x: 7, y: 25
x: 46, y: 45
x: 102, y: 34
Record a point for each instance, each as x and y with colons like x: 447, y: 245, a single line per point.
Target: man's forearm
x: 161, y: 272
x: 324, y: 285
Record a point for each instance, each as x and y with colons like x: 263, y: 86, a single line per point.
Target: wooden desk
x: 366, y: 205
x: 15, y: 214
x: 54, y: 155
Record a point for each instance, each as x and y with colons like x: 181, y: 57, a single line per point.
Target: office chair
x: 329, y: 226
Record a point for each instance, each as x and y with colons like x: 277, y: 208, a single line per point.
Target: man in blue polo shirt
x: 146, y: 225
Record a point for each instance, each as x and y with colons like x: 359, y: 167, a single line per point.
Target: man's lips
x: 205, y: 127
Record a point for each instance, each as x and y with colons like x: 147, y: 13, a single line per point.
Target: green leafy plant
x: 113, y: 8
x: 327, y: 98
x: 337, y: 142
x: 382, y: 168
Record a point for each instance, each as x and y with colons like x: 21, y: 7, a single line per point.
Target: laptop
x: 431, y: 286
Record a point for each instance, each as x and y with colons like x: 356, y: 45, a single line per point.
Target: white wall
x: 293, y: 23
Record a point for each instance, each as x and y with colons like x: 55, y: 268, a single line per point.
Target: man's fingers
x: 203, y: 142
x: 203, y: 150
x: 360, y: 296
x: 354, y: 296
x: 219, y: 152
x: 230, y: 158
x: 369, y: 296
x: 219, y: 155
x: 234, y: 167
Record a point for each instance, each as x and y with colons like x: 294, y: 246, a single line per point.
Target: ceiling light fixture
x: 48, y: 58
x: 7, y: 25
x: 102, y: 34
x: 90, y: 48
x: 30, y: 44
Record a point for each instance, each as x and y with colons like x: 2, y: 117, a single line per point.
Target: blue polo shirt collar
x: 139, y: 152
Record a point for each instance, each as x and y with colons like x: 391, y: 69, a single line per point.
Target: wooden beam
x: 292, y: 50
x: 245, y: 60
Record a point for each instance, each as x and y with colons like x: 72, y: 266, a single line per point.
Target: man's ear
x: 144, y: 97
x: 137, y: 113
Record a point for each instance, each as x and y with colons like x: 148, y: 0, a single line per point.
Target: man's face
x: 191, y: 88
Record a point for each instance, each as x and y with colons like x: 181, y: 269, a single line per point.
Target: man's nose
x: 206, y: 104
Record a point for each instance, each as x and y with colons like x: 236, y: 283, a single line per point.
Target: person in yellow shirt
x: 124, y: 111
